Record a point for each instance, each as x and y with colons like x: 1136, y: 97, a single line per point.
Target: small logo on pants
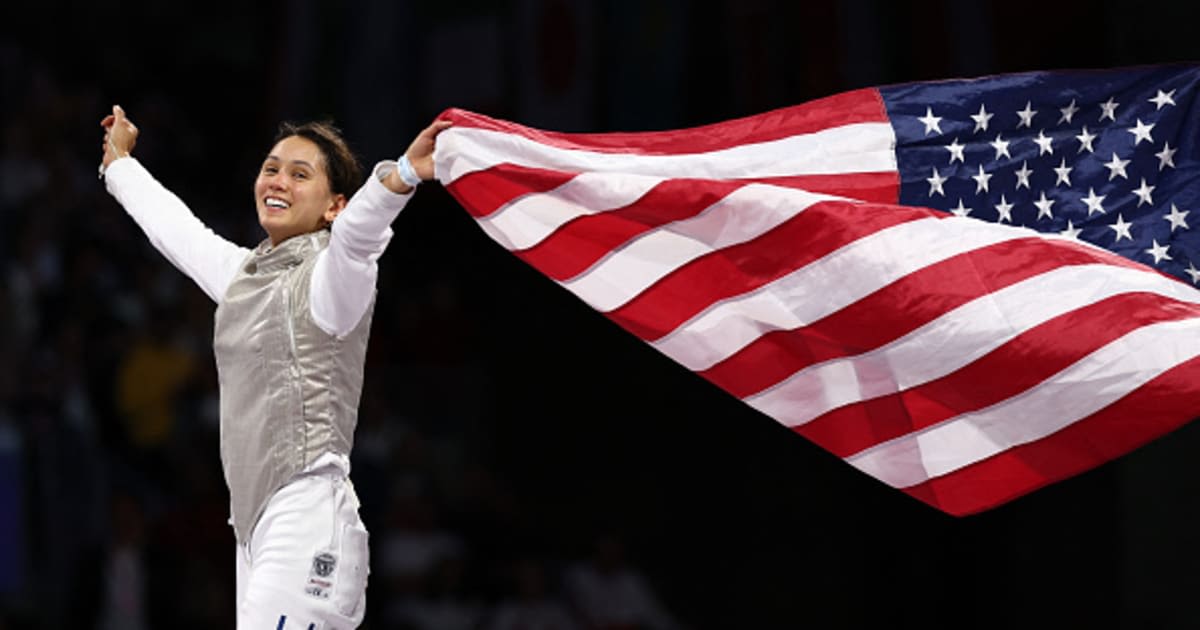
x: 319, y: 584
x: 324, y: 564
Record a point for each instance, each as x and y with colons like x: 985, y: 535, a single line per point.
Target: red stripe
x: 581, y: 242
x: 821, y: 229
x: 1021, y: 363
x: 1160, y: 406
x: 896, y: 310
x: 858, y: 106
x: 483, y: 192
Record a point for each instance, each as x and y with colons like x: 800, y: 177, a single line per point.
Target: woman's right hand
x: 120, y: 135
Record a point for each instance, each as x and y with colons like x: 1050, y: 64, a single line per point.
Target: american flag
x: 967, y: 289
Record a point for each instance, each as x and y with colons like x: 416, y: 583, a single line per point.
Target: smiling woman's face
x: 292, y: 191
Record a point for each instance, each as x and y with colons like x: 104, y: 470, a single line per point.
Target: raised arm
x: 191, y: 246
x: 343, y: 280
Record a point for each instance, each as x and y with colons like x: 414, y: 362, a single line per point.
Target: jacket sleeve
x: 197, y: 251
x: 343, y: 279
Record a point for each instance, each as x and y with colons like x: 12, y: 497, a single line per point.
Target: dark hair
x: 341, y: 165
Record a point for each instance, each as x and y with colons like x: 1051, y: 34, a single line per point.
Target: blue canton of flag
x: 1107, y: 157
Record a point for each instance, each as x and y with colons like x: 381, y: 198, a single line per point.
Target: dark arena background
x: 509, y: 436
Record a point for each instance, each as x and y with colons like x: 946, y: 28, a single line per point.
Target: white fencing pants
x: 305, y: 565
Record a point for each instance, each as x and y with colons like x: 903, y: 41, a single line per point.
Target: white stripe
x: 740, y: 216
x: 826, y: 286
x: 1085, y: 388
x: 856, y: 148
x: 527, y: 220
x: 954, y: 340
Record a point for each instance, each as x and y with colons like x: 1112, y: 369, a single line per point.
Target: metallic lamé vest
x: 289, y: 391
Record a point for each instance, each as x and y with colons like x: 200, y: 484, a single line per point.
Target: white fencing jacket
x: 291, y: 329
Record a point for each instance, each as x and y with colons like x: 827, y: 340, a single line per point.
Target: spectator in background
x: 124, y: 606
x: 12, y: 501
x: 610, y: 594
x: 446, y: 600
x: 411, y: 549
x: 532, y: 605
x: 152, y: 374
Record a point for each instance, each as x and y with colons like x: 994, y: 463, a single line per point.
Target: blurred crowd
x: 112, y: 504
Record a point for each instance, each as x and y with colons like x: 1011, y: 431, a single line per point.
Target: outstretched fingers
x: 437, y: 127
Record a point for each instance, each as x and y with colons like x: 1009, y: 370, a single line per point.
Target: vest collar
x: 289, y: 253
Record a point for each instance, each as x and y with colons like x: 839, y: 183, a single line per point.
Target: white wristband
x: 407, y: 174
x: 117, y: 155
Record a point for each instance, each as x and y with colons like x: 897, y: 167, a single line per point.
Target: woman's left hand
x: 420, y: 152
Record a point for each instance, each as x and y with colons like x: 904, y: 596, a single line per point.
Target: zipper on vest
x: 291, y: 330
